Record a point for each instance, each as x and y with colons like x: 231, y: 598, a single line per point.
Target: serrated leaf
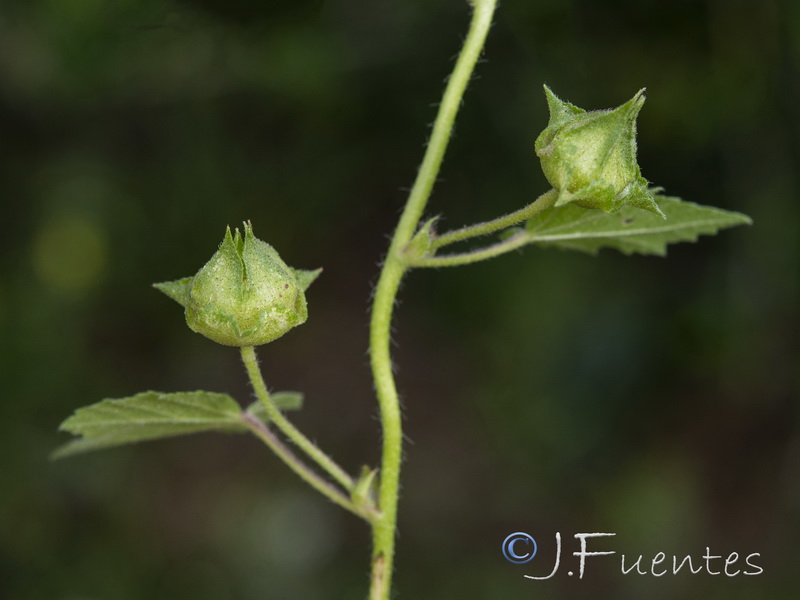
x: 630, y: 230
x: 149, y: 416
x: 283, y: 400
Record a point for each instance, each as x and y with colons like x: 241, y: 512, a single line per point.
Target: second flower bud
x: 590, y: 157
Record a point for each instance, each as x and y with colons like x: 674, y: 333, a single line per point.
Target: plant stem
x: 394, y: 267
x: 443, y: 125
x: 294, y: 434
x: 455, y: 260
x: 295, y: 464
x: 544, y: 201
x: 383, y: 529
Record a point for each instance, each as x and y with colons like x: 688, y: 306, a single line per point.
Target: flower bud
x: 590, y: 157
x: 245, y: 295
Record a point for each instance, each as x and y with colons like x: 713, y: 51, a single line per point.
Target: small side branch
x: 543, y: 202
x: 455, y: 260
x: 263, y: 433
x: 282, y: 423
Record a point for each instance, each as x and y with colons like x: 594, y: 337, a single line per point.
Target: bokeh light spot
x: 70, y: 254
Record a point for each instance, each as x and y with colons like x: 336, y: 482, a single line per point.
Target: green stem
x: 443, y: 125
x: 384, y: 526
x: 544, y: 201
x: 455, y: 260
x: 383, y: 529
x: 262, y: 432
x: 289, y: 430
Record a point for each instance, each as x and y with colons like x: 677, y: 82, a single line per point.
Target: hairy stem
x: 289, y: 430
x: 384, y: 527
x: 456, y: 260
x: 544, y: 201
x: 263, y: 433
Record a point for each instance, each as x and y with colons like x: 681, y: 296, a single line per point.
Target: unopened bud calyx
x: 245, y: 295
x: 590, y: 157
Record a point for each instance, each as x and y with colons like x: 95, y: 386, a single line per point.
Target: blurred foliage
x: 653, y: 398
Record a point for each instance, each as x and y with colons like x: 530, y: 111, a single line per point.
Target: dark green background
x: 544, y: 392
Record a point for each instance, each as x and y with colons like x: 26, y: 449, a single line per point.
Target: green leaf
x: 283, y: 400
x: 630, y: 230
x: 149, y: 416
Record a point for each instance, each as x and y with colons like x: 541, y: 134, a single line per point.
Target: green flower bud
x: 245, y: 295
x: 590, y: 157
